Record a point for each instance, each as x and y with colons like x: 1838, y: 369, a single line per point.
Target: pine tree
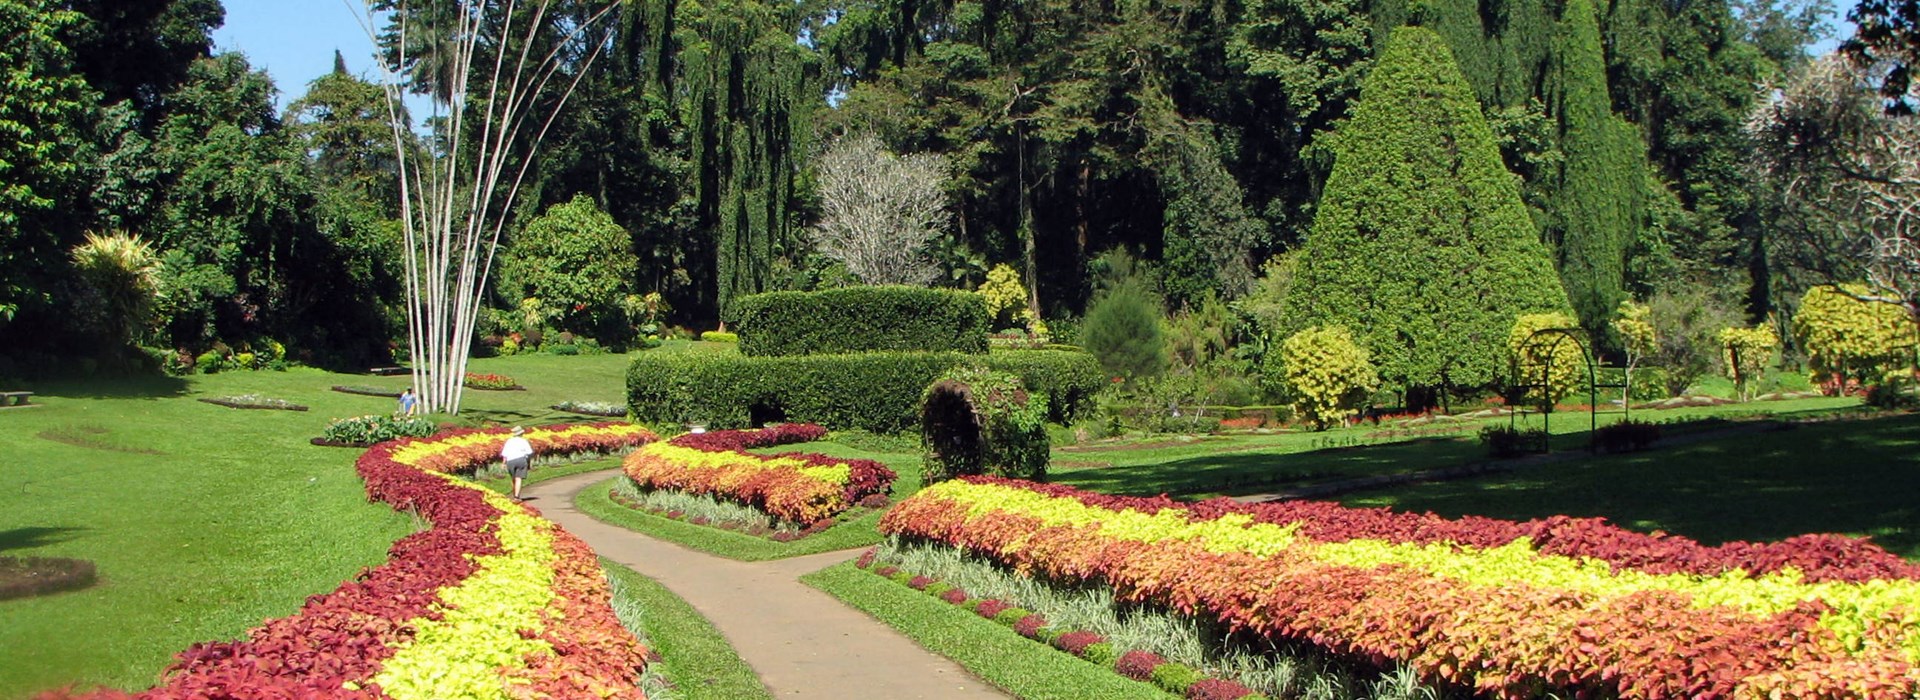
x: 1600, y: 180
x: 1421, y: 244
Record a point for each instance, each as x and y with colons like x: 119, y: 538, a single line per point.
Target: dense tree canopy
x: 1421, y: 244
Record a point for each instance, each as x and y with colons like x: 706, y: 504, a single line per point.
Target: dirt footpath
x: 802, y: 642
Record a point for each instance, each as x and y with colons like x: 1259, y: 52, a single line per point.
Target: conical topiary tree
x: 1421, y: 244
x: 1600, y: 201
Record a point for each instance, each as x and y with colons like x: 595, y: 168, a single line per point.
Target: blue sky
x: 294, y: 40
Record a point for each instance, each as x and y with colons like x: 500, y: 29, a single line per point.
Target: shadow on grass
x: 143, y: 386
x: 31, y: 537
x: 1850, y: 477
x: 1241, y: 473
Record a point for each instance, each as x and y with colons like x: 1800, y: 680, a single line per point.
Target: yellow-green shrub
x: 1329, y: 373
x: 1552, y: 359
x: 1745, y: 352
x: 1847, y: 338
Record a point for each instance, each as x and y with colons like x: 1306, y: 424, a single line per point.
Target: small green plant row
x: 361, y: 431
x: 719, y: 337
x: 270, y: 356
x: 253, y: 401
x: 367, y: 390
x: 1137, y: 664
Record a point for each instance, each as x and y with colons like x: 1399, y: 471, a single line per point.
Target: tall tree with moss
x: 1598, y: 215
x: 1421, y: 243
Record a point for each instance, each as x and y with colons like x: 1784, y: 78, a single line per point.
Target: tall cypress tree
x: 1421, y: 244
x: 1597, y: 216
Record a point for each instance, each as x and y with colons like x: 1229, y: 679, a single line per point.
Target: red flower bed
x: 338, y: 640
x: 719, y: 440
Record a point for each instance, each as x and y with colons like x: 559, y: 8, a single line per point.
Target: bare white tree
x: 1848, y: 174
x: 880, y: 210
x: 494, y: 101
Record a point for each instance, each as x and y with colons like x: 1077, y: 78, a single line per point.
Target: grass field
x: 1854, y: 477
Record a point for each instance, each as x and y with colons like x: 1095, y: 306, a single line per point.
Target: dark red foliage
x: 1030, y: 625
x: 919, y: 583
x: 1820, y: 557
x: 1138, y: 664
x: 1076, y: 642
x: 955, y: 595
x: 1217, y: 689
x: 887, y: 570
x: 992, y: 607
x: 866, y: 558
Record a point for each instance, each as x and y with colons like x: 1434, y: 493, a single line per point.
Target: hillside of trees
x: 1195, y: 138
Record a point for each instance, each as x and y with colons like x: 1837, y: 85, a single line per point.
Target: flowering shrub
x: 366, y: 430
x: 1572, y: 606
x: 497, y: 382
x: 798, y: 488
x: 491, y: 601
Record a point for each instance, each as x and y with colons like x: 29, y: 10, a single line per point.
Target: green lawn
x: 204, y: 520
x: 1249, y: 463
x: 1025, y: 668
x: 697, y: 658
x: 1854, y: 477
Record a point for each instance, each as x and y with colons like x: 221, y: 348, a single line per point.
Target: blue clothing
x: 406, y: 403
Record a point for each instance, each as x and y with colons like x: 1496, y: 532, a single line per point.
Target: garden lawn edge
x: 1020, y: 666
x: 596, y: 501
x: 697, y: 657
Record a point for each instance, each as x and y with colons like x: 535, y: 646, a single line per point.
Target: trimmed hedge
x: 879, y: 392
x: 860, y: 319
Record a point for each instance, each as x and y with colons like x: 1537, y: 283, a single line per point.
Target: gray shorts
x: 517, y: 468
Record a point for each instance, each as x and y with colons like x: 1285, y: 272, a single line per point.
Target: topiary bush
x: 1552, y: 359
x: 860, y: 319
x: 878, y: 392
x: 974, y: 420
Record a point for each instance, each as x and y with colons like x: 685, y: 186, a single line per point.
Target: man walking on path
x: 518, y: 454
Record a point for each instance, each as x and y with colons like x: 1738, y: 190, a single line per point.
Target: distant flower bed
x: 593, y: 408
x: 366, y: 430
x: 367, y: 391
x: 796, y: 488
x: 491, y: 382
x: 254, y: 401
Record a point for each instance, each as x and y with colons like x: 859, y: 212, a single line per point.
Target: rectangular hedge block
x: 877, y: 391
x: 860, y: 319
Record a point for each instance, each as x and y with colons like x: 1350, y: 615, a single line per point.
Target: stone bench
x: 387, y: 371
x: 15, y: 398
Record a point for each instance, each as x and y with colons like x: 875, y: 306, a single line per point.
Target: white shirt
x: 516, y: 448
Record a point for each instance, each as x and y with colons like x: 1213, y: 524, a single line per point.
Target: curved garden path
x: 802, y: 642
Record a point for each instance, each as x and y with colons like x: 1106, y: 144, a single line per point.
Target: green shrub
x: 564, y: 349
x: 860, y: 319
x: 1649, y: 384
x: 208, y: 362
x: 1012, y: 616
x: 878, y: 392
x: 1122, y: 329
x: 1068, y: 377
x: 1505, y: 443
x: 720, y: 337
x: 979, y: 421
x: 1175, y: 677
x: 1101, y: 653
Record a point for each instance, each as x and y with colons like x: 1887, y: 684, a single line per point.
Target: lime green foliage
x: 1552, y: 359
x: 1021, y: 666
x: 1633, y: 323
x: 1598, y: 214
x: 878, y: 391
x: 978, y: 421
x: 1328, y: 374
x: 576, y: 259
x: 1746, y: 352
x: 1123, y: 330
x: 1421, y: 238
x: 860, y: 319
x: 719, y: 337
x: 1007, y: 300
x: 697, y: 657
x: 1847, y: 338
